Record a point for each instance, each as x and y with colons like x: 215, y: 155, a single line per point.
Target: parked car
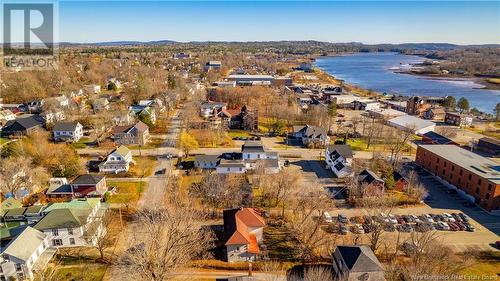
x: 464, y: 217
x: 342, y: 218
x: 442, y: 226
x: 392, y: 218
x: 327, y: 217
x: 358, y: 229
x: 449, y: 217
x: 389, y: 227
x: 428, y: 218
x: 404, y: 227
x: 453, y: 226
x: 461, y: 226
x: 470, y: 227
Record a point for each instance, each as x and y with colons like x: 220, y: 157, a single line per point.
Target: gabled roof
x: 23, y: 123
x: 310, y: 131
x: 25, y: 244
x: 252, y: 146
x: 138, y: 127
x: 65, y: 126
x: 367, y: 176
x: 88, y: 179
x: 121, y: 150
x: 15, y: 212
x: 207, y: 158
x: 8, y: 204
x: 63, y: 218
x: 236, y: 224
x: 343, y: 150
x: 88, y: 203
x: 411, y: 122
x: 359, y: 258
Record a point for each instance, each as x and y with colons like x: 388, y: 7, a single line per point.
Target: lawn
x: 487, y: 266
x: 154, y: 142
x: 81, y: 272
x: 82, y: 143
x: 357, y: 144
x: 279, y: 243
x: 238, y: 134
x: 127, y: 192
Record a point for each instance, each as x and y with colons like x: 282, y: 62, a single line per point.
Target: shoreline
x: 481, y: 82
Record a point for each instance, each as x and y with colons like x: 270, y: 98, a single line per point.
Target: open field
x: 127, y: 192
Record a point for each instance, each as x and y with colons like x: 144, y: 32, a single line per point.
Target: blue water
x: 372, y: 71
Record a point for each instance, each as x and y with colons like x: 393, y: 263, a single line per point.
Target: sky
x: 458, y: 22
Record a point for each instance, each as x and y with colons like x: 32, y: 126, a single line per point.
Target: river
x: 374, y: 71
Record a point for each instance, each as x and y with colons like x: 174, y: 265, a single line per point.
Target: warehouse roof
x: 470, y: 161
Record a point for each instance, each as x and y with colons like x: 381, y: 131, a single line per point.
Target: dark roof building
x: 22, y: 126
x: 356, y: 263
x: 435, y: 138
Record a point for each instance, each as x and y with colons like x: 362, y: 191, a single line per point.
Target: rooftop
x: 63, y: 218
x: 359, y: 258
x: 25, y: 244
x: 411, y: 122
x: 65, y: 126
x: 467, y: 160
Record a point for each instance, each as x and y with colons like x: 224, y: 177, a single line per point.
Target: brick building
x: 475, y: 175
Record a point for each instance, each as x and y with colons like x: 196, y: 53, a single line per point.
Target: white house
x: 412, y: 123
x: 67, y: 131
x: 72, y: 224
x: 53, y: 116
x: 243, y: 229
x: 231, y: 167
x: 311, y: 135
x: 206, y: 161
x: 60, y: 101
x: 27, y: 252
x: 253, y: 150
x: 338, y: 158
x: 208, y: 108
x: 117, y: 161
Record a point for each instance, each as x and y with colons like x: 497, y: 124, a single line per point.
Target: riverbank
x: 477, y: 83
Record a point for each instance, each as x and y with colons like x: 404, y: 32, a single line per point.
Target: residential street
x: 152, y: 197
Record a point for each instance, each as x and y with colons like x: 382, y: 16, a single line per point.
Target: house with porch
x: 311, y: 135
x: 67, y: 131
x: 117, y: 161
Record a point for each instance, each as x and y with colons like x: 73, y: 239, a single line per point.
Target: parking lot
x: 486, y: 226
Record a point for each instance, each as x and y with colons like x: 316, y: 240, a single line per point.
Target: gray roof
x: 231, y: 164
x: 25, y: 244
x: 87, y: 179
x: 207, y: 158
x: 65, y: 126
x: 252, y: 146
x: 342, y: 149
x: 59, y: 188
x: 467, y: 160
x: 359, y: 258
x: 411, y: 122
x: 310, y: 131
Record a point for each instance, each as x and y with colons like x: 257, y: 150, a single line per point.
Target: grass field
x: 486, y: 266
x: 154, y: 142
x: 82, y: 143
x: 127, y: 192
x: 238, y: 134
x: 4, y: 140
x: 81, y: 272
x: 279, y: 243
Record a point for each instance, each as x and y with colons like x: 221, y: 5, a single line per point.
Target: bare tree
x: 396, y: 141
x: 306, y: 225
x: 165, y: 240
x: 17, y: 173
x: 102, y: 237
